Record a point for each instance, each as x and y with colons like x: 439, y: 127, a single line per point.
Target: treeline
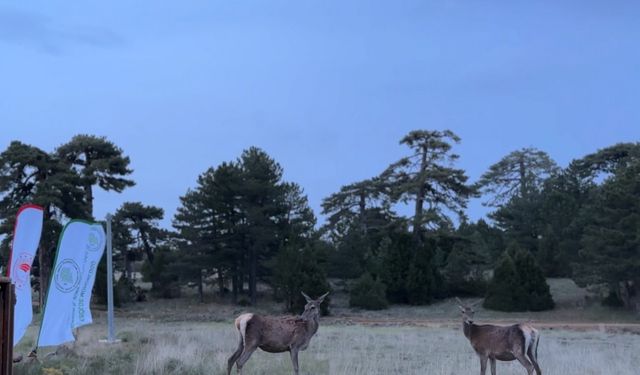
x: 242, y: 226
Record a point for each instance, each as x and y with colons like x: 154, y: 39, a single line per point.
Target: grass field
x: 184, y: 337
x: 202, y: 348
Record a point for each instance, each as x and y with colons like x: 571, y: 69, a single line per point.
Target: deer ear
x: 459, y: 302
x: 322, y: 297
x: 306, y: 297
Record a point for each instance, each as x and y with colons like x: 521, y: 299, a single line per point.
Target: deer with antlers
x: 491, y: 342
x: 276, y: 334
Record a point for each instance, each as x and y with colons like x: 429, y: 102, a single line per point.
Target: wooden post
x: 7, y: 302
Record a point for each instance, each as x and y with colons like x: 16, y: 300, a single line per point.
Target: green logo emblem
x: 67, y: 276
x: 96, y: 239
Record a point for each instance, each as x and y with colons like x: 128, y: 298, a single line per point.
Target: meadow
x: 184, y: 337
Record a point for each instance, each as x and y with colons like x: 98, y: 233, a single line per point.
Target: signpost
x: 111, y: 336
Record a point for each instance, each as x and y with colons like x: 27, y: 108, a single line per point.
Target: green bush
x: 298, y: 270
x: 518, y: 284
x: 612, y: 300
x: 164, y: 280
x: 396, y: 258
x: 462, y: 275
x: 368, y: 293
x: 536, y: 289
x: 125, y: 291
x: 100, y: 286
x: 505, y: 292
x: 423, y: 279
x: 347, y: 260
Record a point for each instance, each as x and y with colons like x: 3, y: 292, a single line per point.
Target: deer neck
x: 311, y: 326
x: 466, y: 328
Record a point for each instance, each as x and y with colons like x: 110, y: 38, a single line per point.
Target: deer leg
x: 533, y: 355
x: 525, y: 362
x: 294, y: 360
x: 483, y: 365
x: 234, y: 357
x: 244, y: 357
x: 493, y: 366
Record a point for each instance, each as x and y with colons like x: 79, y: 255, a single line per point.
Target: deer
x: 275, y: 334
x: 502, y: 343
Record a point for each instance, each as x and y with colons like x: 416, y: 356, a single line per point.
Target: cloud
x: 39, y: 32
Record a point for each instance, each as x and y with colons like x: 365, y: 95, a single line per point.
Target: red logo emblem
x: 20, y: 273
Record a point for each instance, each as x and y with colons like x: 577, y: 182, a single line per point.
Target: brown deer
x: 276, y: 334
x: 518, y: 341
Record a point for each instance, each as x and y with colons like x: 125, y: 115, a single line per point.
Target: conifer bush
x: 518, y: 284
x: 368, y: 293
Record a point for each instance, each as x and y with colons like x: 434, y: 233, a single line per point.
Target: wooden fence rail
x: 7, y: 301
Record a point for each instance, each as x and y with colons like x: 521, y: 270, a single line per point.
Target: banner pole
x: 111, y: 328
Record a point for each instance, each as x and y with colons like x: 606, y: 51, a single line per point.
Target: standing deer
x: 276, y: 334
x: 519, y: 341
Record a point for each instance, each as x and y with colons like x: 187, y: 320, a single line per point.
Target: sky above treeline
x: 327, y: 88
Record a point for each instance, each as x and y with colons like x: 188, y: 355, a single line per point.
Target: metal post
x: 111, y: 328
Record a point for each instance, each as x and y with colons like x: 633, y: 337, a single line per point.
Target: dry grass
x: 202, y: 348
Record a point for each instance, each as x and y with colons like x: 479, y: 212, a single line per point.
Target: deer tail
x: 241, y: 325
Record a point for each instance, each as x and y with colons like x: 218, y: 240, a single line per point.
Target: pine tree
x: 30, y: 175
x: 97, y: 161
x: 516, y: 175
x: 427, y: 178
x: 611, y: 238
x: 505, y: 291
x: 261, y: 200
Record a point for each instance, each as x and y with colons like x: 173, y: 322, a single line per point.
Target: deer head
x: 312, y: 308
x: 467, y: 311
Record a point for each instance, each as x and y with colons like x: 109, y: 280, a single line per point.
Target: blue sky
x: 327, y: 87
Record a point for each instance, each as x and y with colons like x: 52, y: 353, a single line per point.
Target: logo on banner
x: 96, y: 238
x: 67, y: 276
x: 20, y: 273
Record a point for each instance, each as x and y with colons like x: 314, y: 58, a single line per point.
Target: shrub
x: 297, y: 270
x: 368, y: 293
x: 100, y: 286
x: 505, y: 292
x: 612, y: 300
x: 536, y: 289
x: 462, y: 274
x: 396, y: 256
x: 423, y: 280
x: 518, y: 284
x: 164, y: 280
